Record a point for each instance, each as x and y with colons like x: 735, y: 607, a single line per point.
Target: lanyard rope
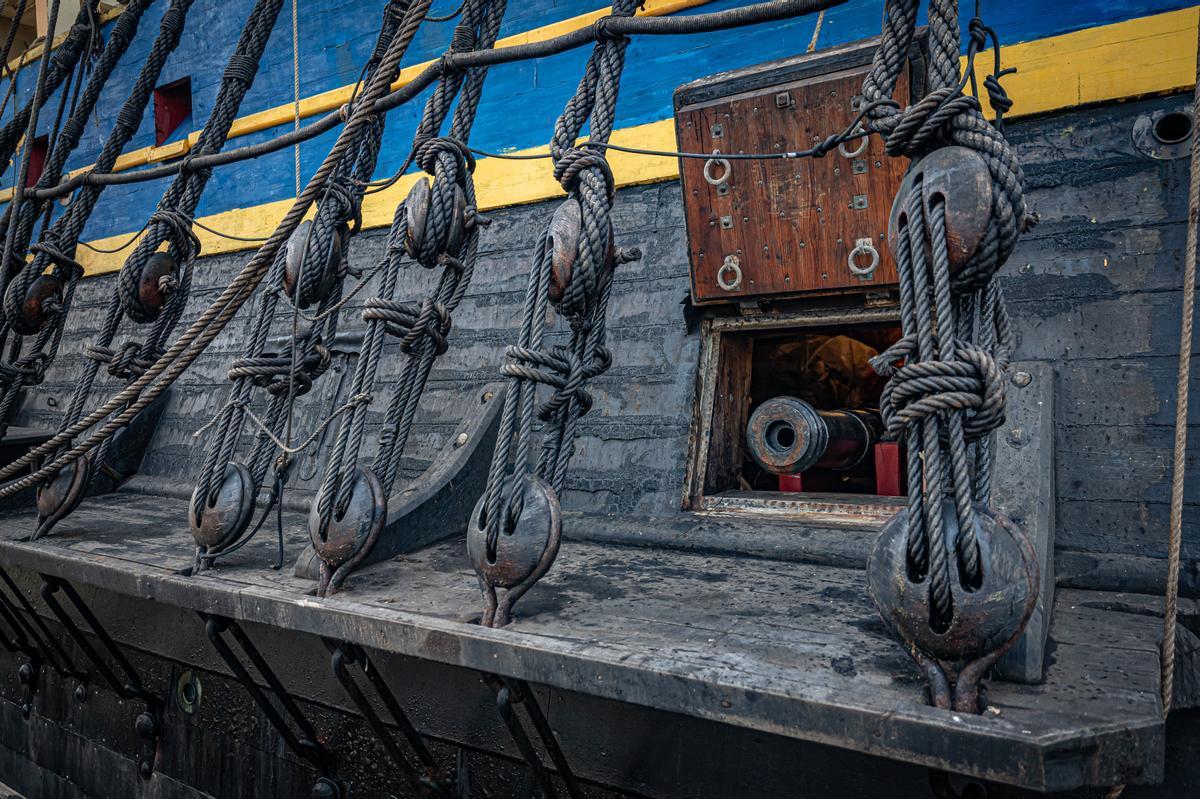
x: 152, y: 287
x: 957, y: 217
x: 310, y: 270
x: 437, y: 226
x: 573, y: 265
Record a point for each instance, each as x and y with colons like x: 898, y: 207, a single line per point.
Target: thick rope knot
x: 348, y: 203
x: 29, y: 371
x: 557, y: 367
x: 242, y: 68
x: 428, y: 153
x: 978, y: 34
x: 187, y: 166
x: 274, y: 373
x: 569, y: 166
x: 179, y: 231
x: 603, y: 31
x: 970, y: 381
x: 412, y: 323
x: 463, y: 38
x: 125, y: 363
x: 72, y: 268
x: 923, y: 127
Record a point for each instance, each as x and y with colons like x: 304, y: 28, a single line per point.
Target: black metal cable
x: 644, y: 26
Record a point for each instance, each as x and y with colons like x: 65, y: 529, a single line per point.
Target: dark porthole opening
x: 813, y: 421
x: 1173, y: 127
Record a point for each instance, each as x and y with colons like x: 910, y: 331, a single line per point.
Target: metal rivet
x: 1022, y: 379
x: 1017, y: 437
x: 461, y: 440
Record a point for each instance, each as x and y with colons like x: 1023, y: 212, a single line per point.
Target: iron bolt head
x: 1022, y: 379
x: 145, y: 726
x: 25, y: 674
x: 326, y: 789
x: 1017, y: 437
x: 146, y: 769
x: 81, y: 693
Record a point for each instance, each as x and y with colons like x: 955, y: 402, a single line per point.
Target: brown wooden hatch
x: 774, y: 228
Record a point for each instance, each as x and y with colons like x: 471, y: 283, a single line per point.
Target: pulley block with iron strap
x: 226, y: 512
x: 320, y: 272
x: 521, y: 555
x: 786, y: 435
x: 418, y: 205
x: 41, y: 305
x: 62, y: 494
x: 349, y: 536
x: 566, y: 227
x: 985, y: 620
x: 157, y: 283
x: 959, y: 179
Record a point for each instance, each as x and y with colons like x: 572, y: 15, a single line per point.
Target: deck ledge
x: 832, y: 679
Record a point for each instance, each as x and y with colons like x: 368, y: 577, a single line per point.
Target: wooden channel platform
x: 778, y: 646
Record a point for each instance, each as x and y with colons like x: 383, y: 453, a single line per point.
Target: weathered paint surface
x: 1093, y: 291
x: 336, y: 36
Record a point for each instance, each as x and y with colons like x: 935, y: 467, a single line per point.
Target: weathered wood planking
x: 786, y: 648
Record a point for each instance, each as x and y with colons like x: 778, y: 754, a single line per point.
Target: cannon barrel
x: 786, y: 435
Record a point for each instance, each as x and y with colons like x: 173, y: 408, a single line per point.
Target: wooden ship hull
x: 705, y: 630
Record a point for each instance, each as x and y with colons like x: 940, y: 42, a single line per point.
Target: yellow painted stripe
x: 333, y: 99
x: 1147, y: 55
x: 1138, y: 57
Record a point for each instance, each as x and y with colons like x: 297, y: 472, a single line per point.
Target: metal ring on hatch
x: 721, y: 162
x: 731, y: 265
x: 863, y: 247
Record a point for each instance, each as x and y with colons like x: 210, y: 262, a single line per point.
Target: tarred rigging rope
x: 142, y: 391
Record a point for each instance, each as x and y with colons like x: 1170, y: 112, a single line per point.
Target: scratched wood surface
x: 788, y: 648
x: 791, y: 224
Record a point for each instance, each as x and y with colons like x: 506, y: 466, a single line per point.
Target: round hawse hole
x: 1173, y: 127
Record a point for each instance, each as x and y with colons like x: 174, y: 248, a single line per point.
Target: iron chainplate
x: 349, y: 537
x: 227, y: 514
x: 986, y: 619
x: 522, y: 555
